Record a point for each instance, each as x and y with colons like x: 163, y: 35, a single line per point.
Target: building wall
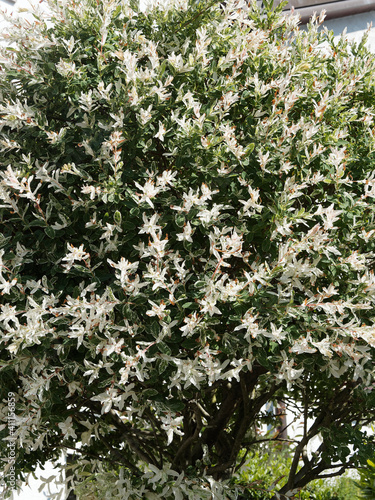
x: 356, y: 26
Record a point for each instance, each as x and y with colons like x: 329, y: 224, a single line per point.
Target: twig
x: 191, y: 439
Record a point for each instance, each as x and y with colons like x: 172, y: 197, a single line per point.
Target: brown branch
x: 315, y: 473
x: 245, y: 419
x: 122, y: 459
x: 132, y: 441
x: 243, y: 459
x: 337, y: 473
x: 153, y: 422
x: 191, y: 439
x: 126, y: 434
x: 313, y: 431
x: 269, y: 440
x: 335, y: 411
x: 98, y: 457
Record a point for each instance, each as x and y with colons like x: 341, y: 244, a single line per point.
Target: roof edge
x: 335, y: 9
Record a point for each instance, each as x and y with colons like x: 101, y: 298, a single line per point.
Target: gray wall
x: 356, y: 26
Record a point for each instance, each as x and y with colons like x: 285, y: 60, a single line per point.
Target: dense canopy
x: 187, y: 234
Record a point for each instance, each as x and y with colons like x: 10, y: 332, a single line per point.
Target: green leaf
x: 37, y: 223
x: 164, y: 349
x: 189, y: 343
x: 187, y: 305
x: 148, y: 393
x: 154, y: 328
x: 50, y: 232
x: 81, y: 269
x: 128, y: 226
x: 117, y: 218
x: 162, y: 366
x: 175, y: 406
x: 180, y: 220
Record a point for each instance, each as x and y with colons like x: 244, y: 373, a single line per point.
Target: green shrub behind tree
x: 266, y: 468
x: 366, y: 482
